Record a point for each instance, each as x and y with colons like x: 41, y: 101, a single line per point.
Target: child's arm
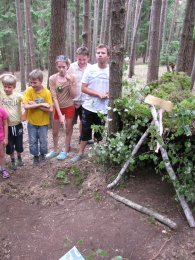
x: 73, y: 87
x: 5, y: 128
x: 46, y: 107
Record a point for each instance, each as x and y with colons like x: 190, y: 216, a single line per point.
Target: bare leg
x: 2, y: 155
x: 56, y: 129
x: 82, y: 147
x: 68, y: 135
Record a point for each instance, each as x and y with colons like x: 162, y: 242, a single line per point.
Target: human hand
x: 62, y: 120
x: 5, y: 142
x: 103, y: 95
x: 46, y: 105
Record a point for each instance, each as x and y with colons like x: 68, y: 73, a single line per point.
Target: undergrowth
x: 178, y: 135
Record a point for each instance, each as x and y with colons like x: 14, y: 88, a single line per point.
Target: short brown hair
x: 36, y: 74
x: 82, y: 51
x: 9, y: 80
x: 102, y: 45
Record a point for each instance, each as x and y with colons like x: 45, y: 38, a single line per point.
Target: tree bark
x: 102, y: 31
x: 106, y: 39
x: 58, y: 32
x: 153, y: 65
x: 20, y: 43
x: 116, y: 59
x: 172, y: 24
x: 95, y: 30
x: 144, y: 210
x: 76, y: 25
x: 186, y: 46
x: 29, y: 39
x: 86, y: 35
x: 134, y: 37
x: 162, y: 21
x: 127, y: 22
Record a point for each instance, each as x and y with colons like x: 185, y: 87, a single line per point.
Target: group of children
x: 77, y: 89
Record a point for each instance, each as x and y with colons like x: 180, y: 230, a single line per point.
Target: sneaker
x: 13, y: 166
x: 42, y: 158
x: 35, y: 160
x: 76, y: 158
x: 62, y: 156
x: 51, y: 155
x: 20, y: 162
x: 5, y: 174
x: 90, y: 142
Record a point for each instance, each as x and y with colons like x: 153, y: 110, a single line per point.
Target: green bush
x: 178, y: 137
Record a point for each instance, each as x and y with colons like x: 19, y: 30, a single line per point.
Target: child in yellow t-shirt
x: 11, y: 101
x: 37, y: 101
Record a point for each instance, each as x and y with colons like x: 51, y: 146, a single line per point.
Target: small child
x: 37, y: 101
x: 11, y: 101
x: 3, y: 141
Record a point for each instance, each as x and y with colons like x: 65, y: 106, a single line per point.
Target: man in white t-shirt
x: 95, y: 84
x: 77, y: 68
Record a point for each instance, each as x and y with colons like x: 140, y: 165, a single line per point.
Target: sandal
x: 76, y: 158
x: 62, y: 156
x: 5, y: 174
x: 51, y: 155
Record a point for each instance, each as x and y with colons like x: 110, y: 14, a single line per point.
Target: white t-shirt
x: 12, y: 104
x: 78, y: 73
x: 97, y: 79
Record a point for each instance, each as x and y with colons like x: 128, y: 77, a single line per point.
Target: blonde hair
x: 8, y: 79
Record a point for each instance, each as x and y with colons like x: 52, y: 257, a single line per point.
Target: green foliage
x: 73, y: 174
x: 178, y: 138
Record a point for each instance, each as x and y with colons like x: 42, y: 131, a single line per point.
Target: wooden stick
x: 144, y: 210
x: 154, y: 257
x: 171, y: 173
x: 135, y: 150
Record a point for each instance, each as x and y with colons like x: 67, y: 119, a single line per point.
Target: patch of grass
x: 73, y: 174
x: 97, y: 196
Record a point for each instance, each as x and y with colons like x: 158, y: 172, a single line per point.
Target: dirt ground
x: 42, y: 216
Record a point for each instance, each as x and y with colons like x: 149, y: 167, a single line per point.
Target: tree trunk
x: 172, y: 24
x: 29, y: 38
x: 58, y: 32
x: 69, y: 38
x: 186, y: 45
x: 127, y: 22
x: 103, y: 21
x: 86, y: 24
x: 153, y: 65
x: 106, y: 39
x: 20, y: 44
x: 134, y: 38
x: 95, y: 30
x: 162, y: 21
x: 116, y: 59
x: 193, y: 74
x: 76, y: 25
x: 164, y: 26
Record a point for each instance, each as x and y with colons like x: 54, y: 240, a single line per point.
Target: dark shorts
x: 78, y: 113
x: 88, y: 119
x: 15, y: 139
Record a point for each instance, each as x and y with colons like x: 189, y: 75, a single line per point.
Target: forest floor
x: 43, y: 217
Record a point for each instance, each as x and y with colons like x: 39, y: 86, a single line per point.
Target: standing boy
x: 37, y: 101
x: 11, y: 101
x: 77, y: 68
x: 95, y: 84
